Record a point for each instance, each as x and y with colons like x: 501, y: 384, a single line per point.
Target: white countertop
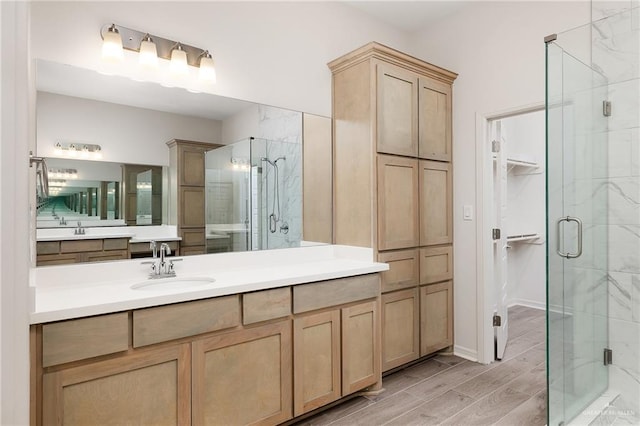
x: 73, y: 291
x: 138, y: 234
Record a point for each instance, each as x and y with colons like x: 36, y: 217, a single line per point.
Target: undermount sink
x: 175, y: 283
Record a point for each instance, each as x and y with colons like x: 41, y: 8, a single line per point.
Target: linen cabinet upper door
x: 397, y: 202
x: 436, y: 203
x: 434, y: 120
x: 397, y: 110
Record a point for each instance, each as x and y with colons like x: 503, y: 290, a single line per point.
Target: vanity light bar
x: 240, y: 163
x: 174, y: 51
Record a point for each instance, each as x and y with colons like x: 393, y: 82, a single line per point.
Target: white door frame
x: 484, y: 241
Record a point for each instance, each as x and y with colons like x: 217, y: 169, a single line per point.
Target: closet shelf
x: 522, y: 163
x: 522, y: 237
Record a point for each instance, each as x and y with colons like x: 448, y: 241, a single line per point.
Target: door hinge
x: 497, y: 320
x: 495, y: 146
x: 606, y: 108
x: 495, y: 233
x: 608, y: 356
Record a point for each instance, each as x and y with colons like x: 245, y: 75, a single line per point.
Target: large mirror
x: 105, y: 140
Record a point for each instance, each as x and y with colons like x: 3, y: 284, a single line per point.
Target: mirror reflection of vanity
x: 128, y: 193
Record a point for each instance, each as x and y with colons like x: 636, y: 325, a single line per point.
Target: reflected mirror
x: 125, y: 186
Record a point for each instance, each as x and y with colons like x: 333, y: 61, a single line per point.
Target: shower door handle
x: 579, y: 223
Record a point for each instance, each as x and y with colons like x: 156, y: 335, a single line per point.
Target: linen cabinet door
x: 436, y: 203
x: 400, y: 328
x: 434, y: 120
x: 243, y: 377
x: 397, y: 111
x: 436, y: 317
x: 316, y: 357
x: 146, y: 387
x: 397, y: 202
x: 360, y: 347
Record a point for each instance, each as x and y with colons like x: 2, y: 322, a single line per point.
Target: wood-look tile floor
x: 449, y: 390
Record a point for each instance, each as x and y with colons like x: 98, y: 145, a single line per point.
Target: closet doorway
x: 512, y: 226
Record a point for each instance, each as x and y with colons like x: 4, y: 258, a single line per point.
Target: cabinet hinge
x: 608, y: 356
x: 497, y: 320
x: 606, y: 108
x: 495, y: 146
x: 495, y: 233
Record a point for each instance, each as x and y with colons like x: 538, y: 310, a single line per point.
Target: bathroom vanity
x: 226, y: 341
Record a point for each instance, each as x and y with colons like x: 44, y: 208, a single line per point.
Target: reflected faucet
x: 79, y: 230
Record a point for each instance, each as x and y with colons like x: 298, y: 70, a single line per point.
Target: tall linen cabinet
x: 392, y: 177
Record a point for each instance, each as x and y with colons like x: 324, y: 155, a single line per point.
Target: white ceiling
x: 410, y: 16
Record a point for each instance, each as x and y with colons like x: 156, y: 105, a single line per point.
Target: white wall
x: 273, y: 53
x: 497, y: 48
x: 126, y: 134
x: 17, y: 124
x: 525, y: 140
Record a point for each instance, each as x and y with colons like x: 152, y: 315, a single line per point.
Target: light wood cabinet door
x: 360, y: 347
x: 400, y: 328
x: 243, y: 377
x: 436, y: 264
x: 191, y: 165
x: 397, y: 202
x: 147, y: 387
x: 192, y: 206
x: 436, y: 317
x: 434, y: 121
x: 316, y: 359
x: 436, y: 203
x: 397, y: 111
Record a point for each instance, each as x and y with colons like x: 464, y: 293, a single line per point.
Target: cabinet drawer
x: 84, y: 338
x: 436, y: 264
x: 192, y: 237
x: 144, y: 247
x: 163, y: 323
x: 104, y: 256
x: 116, y: 243
x: 56, y: 259
x: 309, y: 297
x: 403, y: 270
x: 48, y: 247
x: 266, y: 305
x: 75, y: 246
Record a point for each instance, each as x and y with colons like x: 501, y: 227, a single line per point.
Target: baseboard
x: 466, y: 353
x: 528, y: 303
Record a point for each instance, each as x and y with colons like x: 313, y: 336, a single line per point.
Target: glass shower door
x: 576, y: 234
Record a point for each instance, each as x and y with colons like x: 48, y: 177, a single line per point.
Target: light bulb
x: 207, y: 68
x: 148, y: 52
x: 112, y: 45
x: 178, y: 65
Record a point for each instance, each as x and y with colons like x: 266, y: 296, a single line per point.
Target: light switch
x: 467, y: 212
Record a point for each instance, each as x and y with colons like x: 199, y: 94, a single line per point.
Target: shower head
x: 273, y: 163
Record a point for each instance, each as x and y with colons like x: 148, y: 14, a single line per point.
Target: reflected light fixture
x: 148, y: 52
x: 112, y: 45
x: 78, y: 149
x: 151, y: 47
x: 207, y: 71
x: 178, y: 65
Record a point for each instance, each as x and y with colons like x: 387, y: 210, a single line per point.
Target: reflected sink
x: 175, y: 283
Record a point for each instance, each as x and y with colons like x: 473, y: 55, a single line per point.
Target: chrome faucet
x: 160, y: 268
x: 62, y: 221
x: 79, y: 230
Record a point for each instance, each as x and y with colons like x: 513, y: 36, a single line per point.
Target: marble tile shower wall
x: 616, y: 54
x: 282, y: 130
